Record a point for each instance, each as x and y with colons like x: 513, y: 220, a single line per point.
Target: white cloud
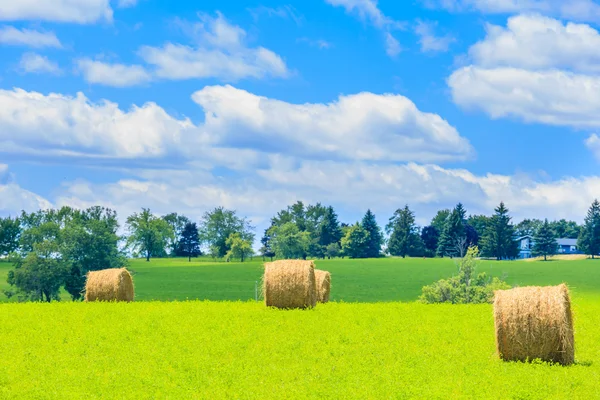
x: 426, y: 188
x: 367, y: 10
x: 593, y: 144
x: 64, y: 125
x: 287, y: 12
x: 429, y: 41
x: 319, y: 43
x: 36, y: 64
x: 550, y: 97
x: 221, y: 53
x: 392, y: 46
x: 77, y: 11
x: 537, y: 69
x: 363, y: 126
x: 117, y: 75
x: 579, y: 10
x: 535, y: 42
x: 126, y: 3
x: 10, y: 35
x: 238, y: 126
x: 14, y: 199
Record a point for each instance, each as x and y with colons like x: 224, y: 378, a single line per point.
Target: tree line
x: 56, y: 248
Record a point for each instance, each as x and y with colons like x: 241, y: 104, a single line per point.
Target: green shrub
x: 466, y: 287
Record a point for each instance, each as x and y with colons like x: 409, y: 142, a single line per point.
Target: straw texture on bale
x: 290, y: 284
x: 534, y: 322
x: 113, y: 284
x: 323, y: 281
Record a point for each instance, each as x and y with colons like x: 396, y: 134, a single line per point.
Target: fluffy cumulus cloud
x: 579, y: 10
x: 9, y: 35
x: 237, y: 128
x: 535, y: 42
x: 364, y: 126
x: 221, y: 52
x: 75, y: 11
x: 550, y: 97
x: 537, y: 69
x: 32, y: 122
x: 117, y: 75
x: 32, y: 63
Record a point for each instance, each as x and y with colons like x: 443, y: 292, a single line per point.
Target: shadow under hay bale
x: 323, y: 281
x: 534, y: 322
x: 290, y: 284
x: 113, y: 284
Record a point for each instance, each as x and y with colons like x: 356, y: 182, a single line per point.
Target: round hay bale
x: 290, y: 284
x: 323, y: 281
x: 113, y: 284
x: 534, y: 322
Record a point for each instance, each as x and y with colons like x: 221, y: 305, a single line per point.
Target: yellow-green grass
x: 235, y: 350
x: 372, y: 280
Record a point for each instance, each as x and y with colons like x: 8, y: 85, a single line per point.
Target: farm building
x: 564, y: 246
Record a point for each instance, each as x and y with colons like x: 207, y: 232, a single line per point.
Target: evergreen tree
x: 453, y: 237
x: 404, y: 234
x: 189, y: 241
x: 479, y: 223
x: 375, y: 241
x: 330, y: 231
x: 545, y: 241
x: 589, y: 238
x: 499, y: 240
x: 430, y: 237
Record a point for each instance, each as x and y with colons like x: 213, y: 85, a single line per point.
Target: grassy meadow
x: 365, y: 281
x: 372, y: 341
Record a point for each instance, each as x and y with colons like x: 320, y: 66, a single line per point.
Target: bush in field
x: 466, y: 287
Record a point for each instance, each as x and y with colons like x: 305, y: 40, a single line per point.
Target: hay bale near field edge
x: 290, y: 284
x: 323, y: 283
x: 534, y: 322
x: 114, y: 284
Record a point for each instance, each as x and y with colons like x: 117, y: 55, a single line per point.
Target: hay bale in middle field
x: 534, y: 322
x: 113, y: 284
x: 323, y: 281
x: 290, y: 284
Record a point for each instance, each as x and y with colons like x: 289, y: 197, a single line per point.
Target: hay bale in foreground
x: 534, y: 322
x: 323, y: 281
x: 113, y: 284
x: 290, y: 284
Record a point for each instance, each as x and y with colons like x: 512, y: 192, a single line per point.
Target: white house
x: 564, y: 246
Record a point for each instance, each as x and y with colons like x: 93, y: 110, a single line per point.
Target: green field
x: 390, y: 348
x: 373, y: 280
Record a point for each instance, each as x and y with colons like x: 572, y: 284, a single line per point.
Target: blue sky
x: 182, y: 106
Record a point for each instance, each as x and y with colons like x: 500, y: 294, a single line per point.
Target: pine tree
x: 589, y: 238
x: 375, y: 241
x: 330, y: 231
x: 499, y: 240
x: 404, y: 234
x: 453, y: 233
x: 545, y: 241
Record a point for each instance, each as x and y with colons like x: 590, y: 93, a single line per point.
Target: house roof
x: 566, y: 242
